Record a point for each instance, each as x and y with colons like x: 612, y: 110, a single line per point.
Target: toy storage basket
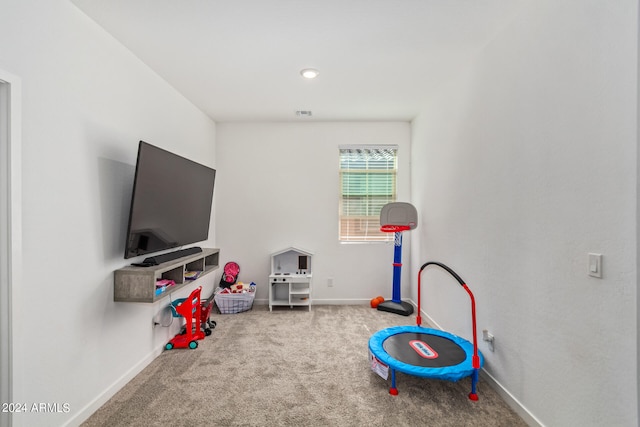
x: 234, y: 303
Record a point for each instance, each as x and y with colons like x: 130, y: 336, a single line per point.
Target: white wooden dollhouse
x: 290, y: 278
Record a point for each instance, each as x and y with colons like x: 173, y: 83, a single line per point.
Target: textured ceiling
x: 239, y: 60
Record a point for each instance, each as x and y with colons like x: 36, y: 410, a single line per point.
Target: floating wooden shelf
x: 138, y: 284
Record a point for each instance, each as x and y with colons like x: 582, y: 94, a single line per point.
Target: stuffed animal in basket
x: 239, y: 288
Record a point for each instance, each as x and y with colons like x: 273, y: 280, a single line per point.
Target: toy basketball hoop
x: 395, y: 218
x: 394, y: 228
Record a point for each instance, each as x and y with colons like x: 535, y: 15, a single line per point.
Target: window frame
x: 368, y: 225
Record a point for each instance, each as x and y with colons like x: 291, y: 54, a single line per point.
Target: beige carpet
x: 292, y: 367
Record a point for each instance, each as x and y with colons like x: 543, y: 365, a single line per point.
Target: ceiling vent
x: 303, y: 113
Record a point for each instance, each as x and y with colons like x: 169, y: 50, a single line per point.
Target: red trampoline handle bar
x: 476, y: 359
x: 418, y: 316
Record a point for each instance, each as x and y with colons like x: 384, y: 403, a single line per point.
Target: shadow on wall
x: 116, y: 184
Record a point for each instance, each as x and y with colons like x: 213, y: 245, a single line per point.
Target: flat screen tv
x: 170, y: 204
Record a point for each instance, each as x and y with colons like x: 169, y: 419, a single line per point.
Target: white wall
x: 86, y: 101
x: 637, y: 246
x: 521, y: 166
x: 278, y: 185
x: 527, y: 162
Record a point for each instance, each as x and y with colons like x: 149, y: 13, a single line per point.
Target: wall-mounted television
x: 170, y: 204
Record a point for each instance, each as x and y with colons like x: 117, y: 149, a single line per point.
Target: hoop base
x: 404, y: 308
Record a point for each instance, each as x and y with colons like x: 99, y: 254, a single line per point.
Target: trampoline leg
x: 393, y: 390
x: 474, y: 381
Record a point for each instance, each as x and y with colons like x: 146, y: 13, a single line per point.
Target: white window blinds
x: 367, y: 183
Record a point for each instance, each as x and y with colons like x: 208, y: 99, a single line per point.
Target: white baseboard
x: 355, y: 301
x: 314, y: 301
x: 84, y: 413
x: 509, y: 398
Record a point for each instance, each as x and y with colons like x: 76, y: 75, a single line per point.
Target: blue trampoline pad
x: 424, y: 352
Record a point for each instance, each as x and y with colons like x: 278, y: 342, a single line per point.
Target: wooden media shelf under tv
x: 138, y: 284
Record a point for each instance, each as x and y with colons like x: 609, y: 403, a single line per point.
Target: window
x: 367, y: 183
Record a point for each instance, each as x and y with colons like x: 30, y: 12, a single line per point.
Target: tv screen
x: 170, y: 204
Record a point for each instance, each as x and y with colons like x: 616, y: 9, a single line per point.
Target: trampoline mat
x: 425, y: 350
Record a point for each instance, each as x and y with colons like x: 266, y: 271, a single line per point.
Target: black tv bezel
x: 128, y: 251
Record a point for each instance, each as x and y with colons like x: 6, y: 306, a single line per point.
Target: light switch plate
x: 595, y: 265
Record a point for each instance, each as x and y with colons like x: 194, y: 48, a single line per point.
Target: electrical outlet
x: 488, y: 337
x: 330, y: 282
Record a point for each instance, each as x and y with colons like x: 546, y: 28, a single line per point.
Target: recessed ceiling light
x: 309, y: 73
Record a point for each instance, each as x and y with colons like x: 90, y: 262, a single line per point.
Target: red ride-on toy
x: 207, y: 325
x: 205, y: 312
x: 189, y: 308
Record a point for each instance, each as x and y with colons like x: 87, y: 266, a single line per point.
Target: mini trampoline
x: 426, y: 352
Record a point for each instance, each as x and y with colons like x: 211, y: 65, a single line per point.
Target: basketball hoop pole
x: 397, y: 267
x: 396, y: 305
